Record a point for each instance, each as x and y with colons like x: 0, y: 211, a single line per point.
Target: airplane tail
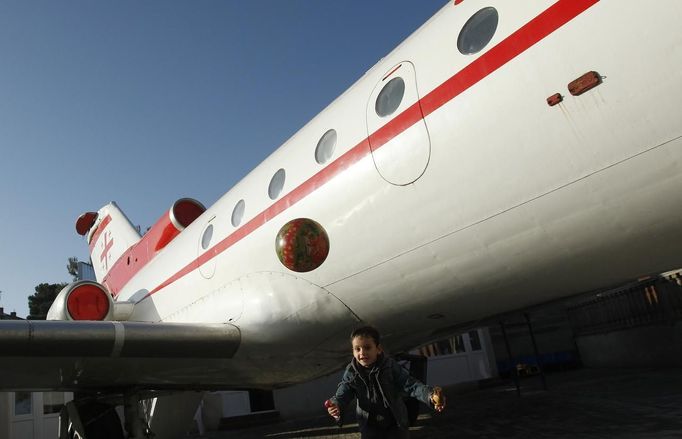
x: 109, y: 233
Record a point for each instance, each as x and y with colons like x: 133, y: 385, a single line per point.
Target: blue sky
x: 145, y: 102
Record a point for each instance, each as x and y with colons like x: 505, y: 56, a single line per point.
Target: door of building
x: 35, y: 415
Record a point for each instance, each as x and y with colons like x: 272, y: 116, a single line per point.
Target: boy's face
x: 365, y: 350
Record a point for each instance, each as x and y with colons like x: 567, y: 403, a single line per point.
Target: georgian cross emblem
x: 106, y: 246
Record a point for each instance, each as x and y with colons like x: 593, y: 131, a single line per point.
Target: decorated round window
x: 478, y: 31
x: 302, y: 245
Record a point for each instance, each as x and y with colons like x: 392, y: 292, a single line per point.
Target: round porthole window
x: 238, y: 213
x: 206, y: 237
x: 276, y: 184
x: 478, y: 31
x: 390, y: 97
x: 325, y: 147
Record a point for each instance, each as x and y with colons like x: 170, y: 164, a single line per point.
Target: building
x: 30, y: 415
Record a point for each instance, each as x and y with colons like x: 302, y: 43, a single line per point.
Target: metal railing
x: 652, y: 302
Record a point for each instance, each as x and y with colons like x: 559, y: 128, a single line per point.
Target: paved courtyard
x: 584, y: 403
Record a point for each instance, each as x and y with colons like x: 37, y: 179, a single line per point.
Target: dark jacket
x: 393, y: 383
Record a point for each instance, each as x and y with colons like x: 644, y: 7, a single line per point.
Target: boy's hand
x: 333, y: 409
x: 438, y: 399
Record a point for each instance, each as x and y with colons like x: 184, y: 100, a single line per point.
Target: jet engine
x: 82, y: 300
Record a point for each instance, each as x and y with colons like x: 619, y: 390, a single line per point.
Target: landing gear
x: 91, y: 419
x: 135, y: 423
x: 97, y: 418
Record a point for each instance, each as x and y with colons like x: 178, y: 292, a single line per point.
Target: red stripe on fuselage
x: 528, y: 35
x: 535, y: 30
x: 339, y: 165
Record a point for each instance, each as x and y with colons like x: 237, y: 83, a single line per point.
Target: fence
x: 652, y: 302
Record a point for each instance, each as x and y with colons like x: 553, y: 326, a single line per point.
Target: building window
x: 475, y: 341
x: 53, y: 402
x: 478, y: 31
x: 23, y: 404
x: 459, y: 344
x: 444, y: 347
x: 452, y: 345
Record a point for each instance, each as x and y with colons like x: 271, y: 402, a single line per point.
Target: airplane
x: 504, y: 155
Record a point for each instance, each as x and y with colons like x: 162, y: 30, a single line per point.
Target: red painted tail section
x: 109, y: 238
x: 171, y: 224
x: 118, y: 251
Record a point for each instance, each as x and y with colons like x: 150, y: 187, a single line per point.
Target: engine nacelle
x: 82, y: 300
x: 181, y: 214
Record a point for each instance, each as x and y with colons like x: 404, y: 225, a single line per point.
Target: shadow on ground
x: 586, y: 403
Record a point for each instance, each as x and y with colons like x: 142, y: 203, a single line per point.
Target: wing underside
x: 100, y: 355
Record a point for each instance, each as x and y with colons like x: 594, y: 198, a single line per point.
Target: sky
x: 145, y: 102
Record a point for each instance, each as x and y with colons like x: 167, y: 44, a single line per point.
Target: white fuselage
x: 492, y: 202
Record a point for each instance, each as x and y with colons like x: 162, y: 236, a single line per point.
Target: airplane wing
x: 99, y: 355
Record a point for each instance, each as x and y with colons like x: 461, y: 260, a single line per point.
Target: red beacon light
x: 88, y: 301
x: 85, y: 222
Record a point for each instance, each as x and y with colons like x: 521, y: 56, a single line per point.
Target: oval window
x: 238, y: 213
x: 478, y: 31
x: 390, y: 97
x: 325, y: 147
x: 206, y: 237
x: 276, y: 184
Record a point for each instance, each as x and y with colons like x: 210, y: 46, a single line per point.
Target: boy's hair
x: 367, y: 332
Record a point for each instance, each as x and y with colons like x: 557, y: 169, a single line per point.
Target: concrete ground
x: 585, y: 403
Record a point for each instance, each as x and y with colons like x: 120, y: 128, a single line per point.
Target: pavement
x: 583, y: 403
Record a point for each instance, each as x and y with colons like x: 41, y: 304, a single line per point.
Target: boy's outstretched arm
x: 438, y: 399
x: 333, y: 410
x: 431, y: 396
x: 344, y: 395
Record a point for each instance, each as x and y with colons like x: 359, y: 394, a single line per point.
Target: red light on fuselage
x: 85, y: 222
x: 586, y: 82
x: 555, y: 99
x: 88, y: 302
x: 392, y: 72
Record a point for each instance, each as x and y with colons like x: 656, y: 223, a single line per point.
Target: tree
x: 39, y: 303
x: 72, y: 267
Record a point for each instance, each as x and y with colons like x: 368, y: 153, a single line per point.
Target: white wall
x: 29, y: 418
x: 306, y: 399
x: 469, y: 365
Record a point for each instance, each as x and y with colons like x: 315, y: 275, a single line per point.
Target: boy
x: 379, y: 384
